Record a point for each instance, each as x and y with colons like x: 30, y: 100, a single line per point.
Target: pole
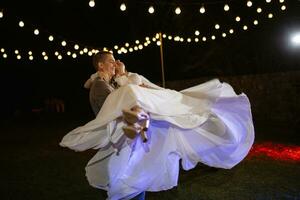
x: 162, y: 61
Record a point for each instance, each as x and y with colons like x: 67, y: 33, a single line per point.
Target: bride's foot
x: 135, y: 114
x: 131, y: 131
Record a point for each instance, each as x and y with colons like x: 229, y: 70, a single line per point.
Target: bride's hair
x: 99, y: 57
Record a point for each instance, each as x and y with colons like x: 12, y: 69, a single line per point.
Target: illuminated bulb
x: 90, y: 53
x: 123, y: 7
x: 51, y: 38
x: 45, y: 57
x: 217, y: 26
x: 135, y: 48
x: 245, y: 27
x: 30, y: 57
x: 177, y: 38
x: 157, y: 36
x: 196, y: 40
x: 36, y: 31
x: 223, y: 34
x: 255, y: 22
x: 21, y: 24
x: 295, y: 39
x: 237, y: 19
x: 96, y: 51
x: 116, y: 47
x: 19, y: 57
x: 145, y: 44
x: 119, y: 51
x: 56, y: 53
x: 147, y: 38
x: 4, y: 55
x: 170, y: 37
x: 258, y: 10
x: 59, y: 57
x: 231, y: 31
x: 177, y: 11
x: 203, y: 39
x: 1, y: 14
x: 189, y: 40
x: 85, y: 50
x: 249, y: 3
x: 68, y: 53
x: 16, y: 51
x: 140, y: 46
x: 213, y: 37
x: 181, y: 39
x: 151, y: 10
x: 76, y: 46
x: 64, y: 43
x: 281, y: 1
x: 154, y: 39
x: 130, y: 49
x: 158, y: 43
x: 127, y: 45
x: 202, y: 10
x: 93, y: 50
x: 104, y: 49
x: 92, y: 3
x: 226, y: 7
x: 197, y: 32
x: 137, y: 42
x: 283, y: 7
x: 43, y: 53
x: 164, y: 35
x: 268, y: 1
x: 270, y: 15
x: 2, y: 50
x: 148, y: 41
x: 74, y: 55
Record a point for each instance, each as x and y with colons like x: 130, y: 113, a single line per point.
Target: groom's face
x: 108, y: 64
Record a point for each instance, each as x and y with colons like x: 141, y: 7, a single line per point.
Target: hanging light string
x: 74, y: 50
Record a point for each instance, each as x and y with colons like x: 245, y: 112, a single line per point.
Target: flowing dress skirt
x: 208, y: 123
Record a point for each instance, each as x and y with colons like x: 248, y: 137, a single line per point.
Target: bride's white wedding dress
x: 207, y: 123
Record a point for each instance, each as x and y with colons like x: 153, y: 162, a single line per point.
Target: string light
x: 85, y: 50
x: 202, y: 10
x: 1, y: 14
x: 44, y: 53
x: 2, y: 50
x: 158, y: 43
x: 74, y: 55
x: 226, y: 7
x: 21, y: 24
x: 255, y: 22
x: 51, y: 38
x: 59, y: 57
x: 223, y: 34
x: 63, y: 43
x: 4, y: 55
x: 92, y: 3
x: 30, y: 53
x: 45, y: 57
x: 204, y: 39
x: 237, y: 19
x: 16, y: 51
x: 213, y: 37
x: 245, y: 27
x: 197, y: 32
x: 178, y: 11
x: 281, y: 1
x: 123, y: 7
x: 30, y: 57
x: 283, y: 7
x: 36, y: 31
x: 217, y: 26
x: 259, y: 10
x: 151, y: 10
x: 19, y: 57
x: 76, y: 46
x: 270, y: 15
x: 231, y: 31
x: 268, y: 1
x: 56, y: 53
x: 249, y: 3
x: 196, y: 39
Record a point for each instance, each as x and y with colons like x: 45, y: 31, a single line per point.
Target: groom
x: 105, y: 66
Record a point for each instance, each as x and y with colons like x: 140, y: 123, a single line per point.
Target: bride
x: 208, y: 123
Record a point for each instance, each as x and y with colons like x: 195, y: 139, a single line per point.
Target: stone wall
x: 274, y: 97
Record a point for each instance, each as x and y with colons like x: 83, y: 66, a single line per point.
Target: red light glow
x: 276, y: 151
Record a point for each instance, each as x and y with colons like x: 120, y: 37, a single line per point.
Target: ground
x: 34, y: 166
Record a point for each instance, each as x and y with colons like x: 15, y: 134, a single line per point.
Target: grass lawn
x: 34, y: 166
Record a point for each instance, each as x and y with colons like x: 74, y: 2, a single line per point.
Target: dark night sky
x: 261, y: 49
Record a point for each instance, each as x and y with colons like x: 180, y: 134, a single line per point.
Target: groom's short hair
x: 99, y: 57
